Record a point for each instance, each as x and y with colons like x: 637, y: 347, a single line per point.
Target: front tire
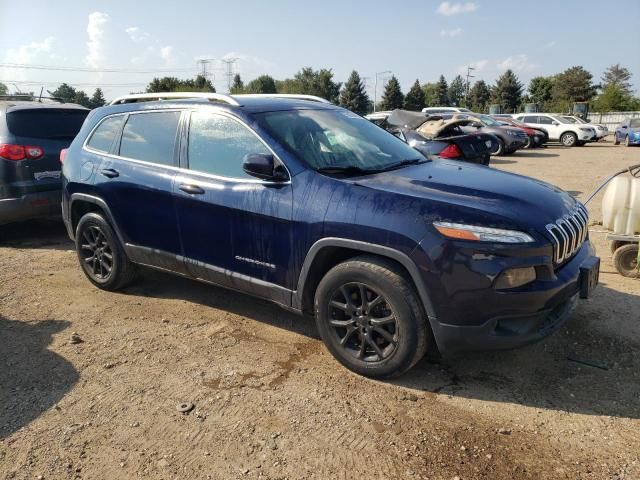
x: 615, y: 139
x: 499, y: 148
x: 626, y: 141
x: 569, y: 139
x: 101, y: 256
x: 370, y: 318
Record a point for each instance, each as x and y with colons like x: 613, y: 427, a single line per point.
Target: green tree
x: 430, y: 94
x: 540, y: 90
x: 82, y: 98
x: 507, y: 91
x: 442, y: 97
x: 455, y: 92
x: 353, y: 95
x: 614, y: 99
x: 65, y: 92
x: 312, y: 82
x: 238, y: 85
x: 97, y: 99
x: 173, y: 84
x: 392, y: 97
x: 573, y: 85
x: 262, y: 84
x: 479, y: 96
x: 3, y: 89
x: 415, y: 98
x: 617, y: 76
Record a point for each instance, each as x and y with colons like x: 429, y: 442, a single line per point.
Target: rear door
x: 136, y: 179
x: 48, y: 130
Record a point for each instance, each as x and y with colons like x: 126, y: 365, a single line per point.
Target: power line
x: 93, y: 70
x: 23, y: 82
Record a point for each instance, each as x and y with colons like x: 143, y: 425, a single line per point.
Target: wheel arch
x: 329, y: 252
x: 81, y: 204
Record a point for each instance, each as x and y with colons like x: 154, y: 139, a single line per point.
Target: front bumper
x: 493, y: 320
x: 32, y: 205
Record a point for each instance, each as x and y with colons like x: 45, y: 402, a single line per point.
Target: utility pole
x: 229, y: 74
x: 375, y: 88
x: 466, y: 97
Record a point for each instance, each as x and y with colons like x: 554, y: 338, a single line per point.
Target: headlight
x: 516, y: 277
x: 515, y: 133
x: 586, y: 129
x: 481, y: 234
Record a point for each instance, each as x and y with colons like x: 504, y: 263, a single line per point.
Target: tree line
x: 553, y: 93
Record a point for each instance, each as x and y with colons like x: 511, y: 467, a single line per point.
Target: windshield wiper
x: 404, y: 163
x: 348, y: 170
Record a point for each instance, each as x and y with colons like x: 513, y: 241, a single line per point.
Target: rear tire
x: 568, y: 139
x: 625, y: 260
x: 384, y: 335
x: 101, y: 256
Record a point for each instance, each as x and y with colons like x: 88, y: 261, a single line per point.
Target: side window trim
x: 184, y: 153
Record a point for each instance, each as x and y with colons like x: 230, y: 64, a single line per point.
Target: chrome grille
x: 568, y: 233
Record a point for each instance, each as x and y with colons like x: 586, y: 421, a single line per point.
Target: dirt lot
x: 271, y: 403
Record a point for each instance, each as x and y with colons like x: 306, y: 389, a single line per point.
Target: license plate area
x: 589, y: 276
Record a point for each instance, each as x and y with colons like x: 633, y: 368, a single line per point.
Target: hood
x: 465, y: 193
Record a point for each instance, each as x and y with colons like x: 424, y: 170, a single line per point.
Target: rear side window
x: 150, y: 137
x: 218, y: 145
x: 529, y: 119
x: 46, y: 122
x: 103, y: 136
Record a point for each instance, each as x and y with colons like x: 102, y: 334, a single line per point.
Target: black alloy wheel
x: 96, y: 253
x: 363, y: 322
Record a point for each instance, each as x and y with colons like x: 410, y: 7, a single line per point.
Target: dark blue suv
x: 313, y: 207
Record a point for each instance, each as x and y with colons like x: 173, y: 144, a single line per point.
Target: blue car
x: 627, y: 132
x: 308, y: 205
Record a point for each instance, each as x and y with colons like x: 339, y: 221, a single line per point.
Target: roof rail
x: 293, y: 96
x: 174, y: 95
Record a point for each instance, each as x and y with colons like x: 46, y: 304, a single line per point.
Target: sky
x: 412, y: 39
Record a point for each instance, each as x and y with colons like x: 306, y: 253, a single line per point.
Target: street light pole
x: 375, y: 89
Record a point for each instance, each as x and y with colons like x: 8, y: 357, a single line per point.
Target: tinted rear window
x: 46, y: 123
x: 150, y: 137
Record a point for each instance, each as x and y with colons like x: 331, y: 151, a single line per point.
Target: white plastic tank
x: 621, y: 205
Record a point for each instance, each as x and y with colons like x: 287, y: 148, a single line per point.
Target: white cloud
x: 478, y: 66
x: 166, y: 53
x: 447, y: 9
x: 518, y: 63
x: 96, y: 32
x: 454, y: 32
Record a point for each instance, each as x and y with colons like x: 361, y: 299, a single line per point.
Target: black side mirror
x: 263, y: 166
x: 555, y: 123
x: 624, y: 126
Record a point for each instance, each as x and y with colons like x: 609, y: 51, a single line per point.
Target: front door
x: 235, y: 228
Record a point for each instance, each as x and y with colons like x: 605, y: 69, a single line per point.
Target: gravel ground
x: 90, y: 381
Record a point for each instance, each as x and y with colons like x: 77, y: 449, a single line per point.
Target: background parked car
x: 559, y: 129
x: 438, y: 110
x: 445, y: 141
x: 537, y: 136
x: 601, y: 130
x: 509, y: 139
x: 628, y: 132
x: 32, y: 133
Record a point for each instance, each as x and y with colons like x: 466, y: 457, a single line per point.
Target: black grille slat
x: 569, y: 233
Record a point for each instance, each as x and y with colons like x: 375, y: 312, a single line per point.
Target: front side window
x: 150, y: 137
x: 337, y: 139
x: 218, y: 145
x: 634, y: 123
x: 545, y: 120
x: 103, y: 136
x: 529, y: 119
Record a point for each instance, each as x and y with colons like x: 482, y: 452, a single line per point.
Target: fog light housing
x: 515, y: 277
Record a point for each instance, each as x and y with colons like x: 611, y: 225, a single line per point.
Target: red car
x: 537, y: 137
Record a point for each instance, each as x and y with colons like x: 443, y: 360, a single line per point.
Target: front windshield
x: 488, y: 121
x: 337, y: 139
